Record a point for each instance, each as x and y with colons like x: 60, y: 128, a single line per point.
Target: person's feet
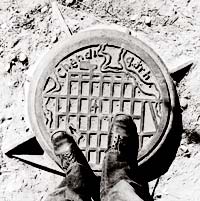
x: 80, y: 179
x: 66, y: 150
x: 123, y: 138
x: 120, y: 162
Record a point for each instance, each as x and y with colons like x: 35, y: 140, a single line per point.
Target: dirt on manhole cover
x: 86, y: 80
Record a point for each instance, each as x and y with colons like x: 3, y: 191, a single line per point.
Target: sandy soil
x: 29, y: 28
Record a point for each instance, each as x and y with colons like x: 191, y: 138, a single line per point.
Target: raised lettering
x: 74, y: 63
x: 146, y: 75
x: 88, y: 55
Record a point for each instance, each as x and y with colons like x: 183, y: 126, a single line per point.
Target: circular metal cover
x: 86, y: 80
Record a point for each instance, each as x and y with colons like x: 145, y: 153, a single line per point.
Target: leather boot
x: 80, y: 182
x: 120, y: 162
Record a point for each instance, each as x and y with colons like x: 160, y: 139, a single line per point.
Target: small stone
x: 15, y: 43
x: 54, y: 38
x: 187, y: 96
x: 184, y: 103
x: 2, y: 120
x: 147, y: 20
x: 44, y: 9
x: 134, y: 17
x: 22, y: 57
x: 35, y: 176
x: 69, y: 2
x: 184, y: 148
x: 185, y: 151
x: 16, y: 84
x: 158, y: 196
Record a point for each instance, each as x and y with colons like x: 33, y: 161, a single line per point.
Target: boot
x: 80, y: 182
x: 120, y: 167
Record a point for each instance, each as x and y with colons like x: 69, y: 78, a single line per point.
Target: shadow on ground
x: 161, y: 161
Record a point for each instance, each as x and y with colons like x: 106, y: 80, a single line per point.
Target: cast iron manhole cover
x: 86, y: 80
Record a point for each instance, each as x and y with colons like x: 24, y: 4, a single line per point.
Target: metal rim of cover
x: 114, y: 61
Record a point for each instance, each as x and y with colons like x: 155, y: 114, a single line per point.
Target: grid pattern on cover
x: 91, y: 102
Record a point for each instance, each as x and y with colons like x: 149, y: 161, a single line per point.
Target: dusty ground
x: 29, y: 28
